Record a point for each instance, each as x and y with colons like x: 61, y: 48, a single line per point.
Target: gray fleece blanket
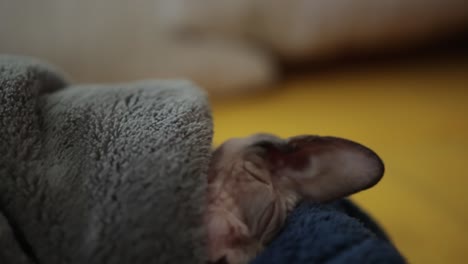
x: 100, y: 173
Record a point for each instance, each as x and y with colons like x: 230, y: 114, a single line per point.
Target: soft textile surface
x: 337, y: 233
x: 115, y: 174
x: 100, y: 173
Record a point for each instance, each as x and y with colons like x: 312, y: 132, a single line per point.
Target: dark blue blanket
x: 336, y: 233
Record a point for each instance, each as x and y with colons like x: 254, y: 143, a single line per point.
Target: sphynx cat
x: 254, y: 182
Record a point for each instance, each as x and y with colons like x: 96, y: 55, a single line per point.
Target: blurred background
x: 391, y: 74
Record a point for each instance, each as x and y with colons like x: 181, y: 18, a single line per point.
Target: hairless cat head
x: 254, y: 182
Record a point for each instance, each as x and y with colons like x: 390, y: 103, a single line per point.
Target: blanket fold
x: 101, y: 173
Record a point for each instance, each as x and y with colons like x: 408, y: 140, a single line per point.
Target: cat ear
x: 322, y: 168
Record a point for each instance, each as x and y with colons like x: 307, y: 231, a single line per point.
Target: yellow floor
x: 413, y: 113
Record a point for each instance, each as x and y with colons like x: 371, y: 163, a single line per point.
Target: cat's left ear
x: 322, y: 168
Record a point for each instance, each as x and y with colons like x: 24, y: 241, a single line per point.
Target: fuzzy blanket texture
x: 115, y: 173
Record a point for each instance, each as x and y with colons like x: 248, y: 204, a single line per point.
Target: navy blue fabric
x: 336, y: 233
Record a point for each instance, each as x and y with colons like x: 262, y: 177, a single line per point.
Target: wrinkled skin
x: 254, y: 182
